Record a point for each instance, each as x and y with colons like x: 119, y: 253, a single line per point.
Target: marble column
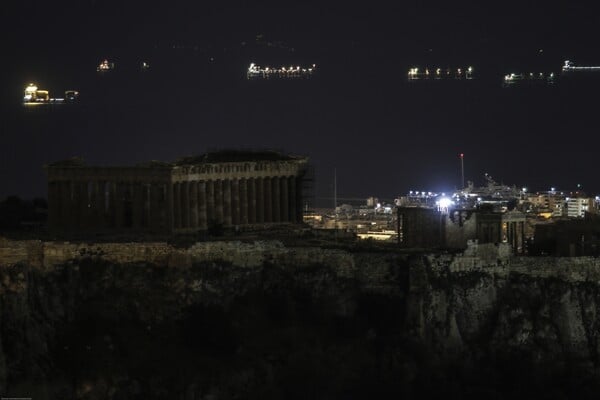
x: 147, y: 199
x: 268, y: 201
x: 170, y: 206
x: 299, y: 200
x: 227, y: 202
x: 111, y: 204
x: 276, y: 199
x: 83, y: 201
x: 155, y: 207
x: 284, y: 197
x: 194, y: 204
x: 185, y: 204
x: 293, y: 200
x: 119, y: 209
x: 177, y: 205
x: 244, y: 201
x: 251, y: 189
x: 202, y: 206
x: 260, y: 200
x: 211, y: 214
x: 219, y: 202
x: 235, y: 202
x: 522, y: 238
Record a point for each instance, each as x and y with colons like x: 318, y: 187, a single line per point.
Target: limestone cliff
x: 221, y: 320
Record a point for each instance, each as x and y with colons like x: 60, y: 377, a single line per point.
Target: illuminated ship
x: 415, y: 73
x: 569, y: 66
x: 528, y: 78
x: 34, y: 95
x: 105, y: 66
x: 258, y: 72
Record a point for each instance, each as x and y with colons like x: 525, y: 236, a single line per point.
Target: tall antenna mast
x: 335, y: 200
x: 334, y: 189
x: 462, y: 171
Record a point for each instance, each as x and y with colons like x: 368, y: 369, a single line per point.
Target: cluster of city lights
x: 440, y: 73
x: 256, y: 71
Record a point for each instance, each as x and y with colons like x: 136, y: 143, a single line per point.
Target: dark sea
x: 358, y: 115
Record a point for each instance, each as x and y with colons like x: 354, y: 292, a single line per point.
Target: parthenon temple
x: 229, y: 188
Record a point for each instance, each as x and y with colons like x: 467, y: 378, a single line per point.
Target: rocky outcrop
x: 221, y: 320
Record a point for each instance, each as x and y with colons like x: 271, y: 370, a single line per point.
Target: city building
x: 227, y: 189
x: 561, y: 204
x: 576, y: 207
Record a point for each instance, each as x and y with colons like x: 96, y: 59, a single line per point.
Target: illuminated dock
x: 437, y: 73
x: 292, y: 72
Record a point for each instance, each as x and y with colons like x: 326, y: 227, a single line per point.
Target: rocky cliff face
x: 231, y: 320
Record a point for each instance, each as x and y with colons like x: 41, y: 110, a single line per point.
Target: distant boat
x: 437, y: 73
x: 570, y: 66
x: 258, y: 72
x: 530, y: 78
x: 105, y: 66
x: 35, y: 95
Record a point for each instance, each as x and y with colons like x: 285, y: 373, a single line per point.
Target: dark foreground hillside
x: 300, y: 324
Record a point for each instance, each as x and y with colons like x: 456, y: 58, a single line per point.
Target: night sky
x: 359, y: 115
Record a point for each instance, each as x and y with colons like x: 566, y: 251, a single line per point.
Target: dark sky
x: 383, y: 134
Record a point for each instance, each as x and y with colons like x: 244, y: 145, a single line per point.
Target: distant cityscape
x: 552, y: 222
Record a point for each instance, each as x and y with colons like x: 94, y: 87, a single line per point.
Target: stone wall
x: 40, y: 254
x: 490, y: 258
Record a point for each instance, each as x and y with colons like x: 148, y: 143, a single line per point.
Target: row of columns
x: 515, y: 235
x: 186, y: 205
x: 103, y: 204
x: 232, y: 202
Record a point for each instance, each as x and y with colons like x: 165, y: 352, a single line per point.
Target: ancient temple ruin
x: 228, y: 188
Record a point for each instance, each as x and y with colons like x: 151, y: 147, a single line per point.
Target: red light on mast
x: 461, y: 155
